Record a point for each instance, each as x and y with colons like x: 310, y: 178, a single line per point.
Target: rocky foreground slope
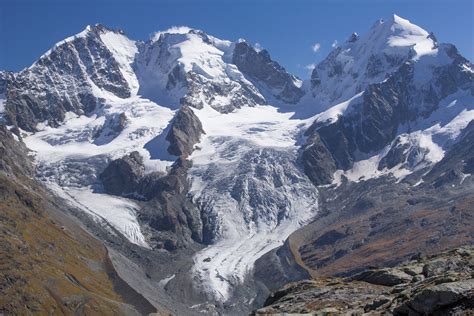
x: 441, y: 284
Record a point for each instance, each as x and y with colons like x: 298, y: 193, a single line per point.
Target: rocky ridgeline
x: 441, y: 284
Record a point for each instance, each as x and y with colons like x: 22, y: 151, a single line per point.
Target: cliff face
x: 49, y: 263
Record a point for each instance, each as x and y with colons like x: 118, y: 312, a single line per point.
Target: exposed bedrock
x: 122, y: 176
x: 406, y: 289
x: 185, y: 132
x: 375, y: 119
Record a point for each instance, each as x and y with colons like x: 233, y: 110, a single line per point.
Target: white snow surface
x: 172, y: 55
x: 124, y: 51
x: 118, y: 212
x: 2, y: 103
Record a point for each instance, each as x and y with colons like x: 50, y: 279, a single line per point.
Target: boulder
x: 387, y: 277
x: 435, y: 298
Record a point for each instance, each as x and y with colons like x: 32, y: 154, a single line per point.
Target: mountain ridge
x: 210, y: 148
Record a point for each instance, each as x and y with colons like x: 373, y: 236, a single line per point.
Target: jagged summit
x: 369, y: 58
x: 90, y: 30
x: 353, y: 37
x: 101, y: 28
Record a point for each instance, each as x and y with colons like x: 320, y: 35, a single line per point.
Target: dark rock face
x: 13, y: 154
x: 402, y: 290
x: 239, y: 94
x: 122, y: 176
x: 185, y: 132
x: 173, y: 218
x: 259, y: 66
x: 317, y: 161
x: 32, y: 95
x: 395, y: 156
x: 340, y: 144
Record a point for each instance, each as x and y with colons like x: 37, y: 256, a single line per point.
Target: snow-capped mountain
x: 363, y: 60
x: 406, y: 88
x: 189, y: 144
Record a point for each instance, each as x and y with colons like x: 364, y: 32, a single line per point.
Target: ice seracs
x: 250, y: 190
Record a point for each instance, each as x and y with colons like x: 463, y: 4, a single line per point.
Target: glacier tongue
x: 251, y: 194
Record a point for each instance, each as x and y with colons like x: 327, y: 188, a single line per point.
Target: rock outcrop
x: 457, y: 163
x: 185, y: 132
x: 413, y: 288
x: 122, y: 176
x: 173, y: 220
x: 317, y: 161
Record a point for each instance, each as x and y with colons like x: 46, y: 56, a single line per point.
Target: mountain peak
x: 397, y: 25
x: 399, y: 36
x: 405, y: 25
x: 398, y: 19
x: 172, y: 30
x: 353, y: 37
x: 367, y: 59
x: 99, y: 28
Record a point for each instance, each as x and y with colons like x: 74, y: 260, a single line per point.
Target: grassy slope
x: 48, y: 264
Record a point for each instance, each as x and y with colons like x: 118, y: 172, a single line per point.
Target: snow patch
x: 165, y: 281
x: 2, y: 103
x: 120, y: 213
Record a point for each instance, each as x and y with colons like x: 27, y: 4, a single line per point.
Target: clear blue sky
x: 287, y: 29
